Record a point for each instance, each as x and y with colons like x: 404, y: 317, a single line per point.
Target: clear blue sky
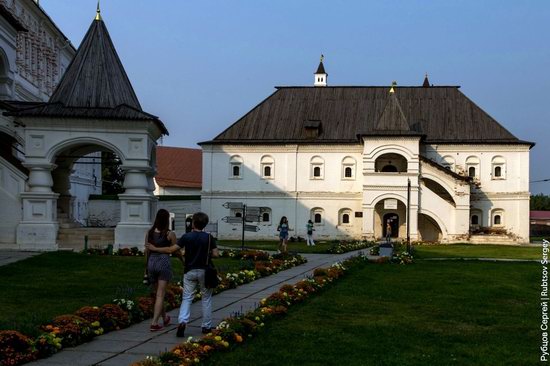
x: 200, y: 65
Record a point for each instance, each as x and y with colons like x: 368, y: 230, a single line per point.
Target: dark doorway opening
x: 393, y: 219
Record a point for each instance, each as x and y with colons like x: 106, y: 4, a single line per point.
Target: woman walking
x: 283, y: 234
x: 158, y: 265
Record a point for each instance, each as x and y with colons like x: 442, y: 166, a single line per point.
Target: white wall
x: 12, y: 183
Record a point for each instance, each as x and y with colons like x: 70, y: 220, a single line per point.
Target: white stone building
x: 344, y: 157
x: 61, y: 108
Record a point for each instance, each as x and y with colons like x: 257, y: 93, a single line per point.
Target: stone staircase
x: 71, y: 234
x: 492, y: 239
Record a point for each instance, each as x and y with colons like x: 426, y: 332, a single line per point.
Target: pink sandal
x: 155, y: 327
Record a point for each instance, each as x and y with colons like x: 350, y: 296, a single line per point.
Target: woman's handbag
x: 211, y: 279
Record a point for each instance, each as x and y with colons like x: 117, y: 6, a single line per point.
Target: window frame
x: 316, y: 162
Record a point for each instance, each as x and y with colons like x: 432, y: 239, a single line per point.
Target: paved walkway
x: 134, y: 343
x: 11, y: 256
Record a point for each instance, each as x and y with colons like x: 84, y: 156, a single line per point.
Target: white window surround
x: 498, y: 168
x: 235, y: 164
x: 341, y: 213
x: 266, y: 211
x: 348, y: 166
x: 448, y: 162
x: 472, y: 162
x: 497, y: 218
x: 317, y: 211
x: 317, y: 162
x: 267, y: 163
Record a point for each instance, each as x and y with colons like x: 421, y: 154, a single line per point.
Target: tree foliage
x: 540, y: 202
x: 112, y: 174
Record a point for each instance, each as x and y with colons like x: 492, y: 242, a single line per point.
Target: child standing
x: 309, y: 237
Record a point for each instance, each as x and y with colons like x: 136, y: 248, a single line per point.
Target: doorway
x: 393, y: 219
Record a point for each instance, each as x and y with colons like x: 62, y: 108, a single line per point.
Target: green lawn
x: 477, y: 251
x: 37, y: 289
x: 299, y: 247
x: 428, y: 313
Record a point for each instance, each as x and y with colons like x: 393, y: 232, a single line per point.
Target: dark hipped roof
x: 441, y: 114
x: 95, y: 85
x: 320, y: 68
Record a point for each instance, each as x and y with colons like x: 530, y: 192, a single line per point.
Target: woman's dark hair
x: 309, y: 222
x: 162, y: 223
x: 283, y: 219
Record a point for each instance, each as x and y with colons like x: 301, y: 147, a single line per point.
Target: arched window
x: 498, y: 164
x: 238, y: 214
x: 472, y: 166
x: 344, y: 216
x: 235, y: 164
x: 391, y: 163
x: 317, y: 215
x: 316, y: 167
x: 265, y: 215
x: 348, y: 168
x: 448, y: 162
x: 267, y: 164
x: 498, y: 217
x: 475, y: 220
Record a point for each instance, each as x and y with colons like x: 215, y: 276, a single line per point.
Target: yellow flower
x: 218, y: 338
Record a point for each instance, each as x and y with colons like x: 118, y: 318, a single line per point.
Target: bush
x: 90, y: 313
x: 112, y: 317
x: 73, y: 330
x: 16, y: 348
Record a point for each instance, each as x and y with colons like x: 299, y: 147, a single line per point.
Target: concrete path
x: 134, y: 343
x: 11, y: 256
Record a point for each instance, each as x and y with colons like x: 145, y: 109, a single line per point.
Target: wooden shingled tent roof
x: 440, y: 114
x: 95, y: 85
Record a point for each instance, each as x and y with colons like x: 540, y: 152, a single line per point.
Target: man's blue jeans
x: 190, y: 281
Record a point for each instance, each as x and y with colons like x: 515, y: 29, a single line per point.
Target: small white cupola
x: 320, y: 75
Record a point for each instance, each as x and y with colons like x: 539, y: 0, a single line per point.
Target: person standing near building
x: 196, y: 246
x: 283, y: 234
x: 309, y: 237
x: 388, y: 232
x: 159, y: 269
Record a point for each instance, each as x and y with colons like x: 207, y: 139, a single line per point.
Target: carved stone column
x: 135, y: 208
x: 38, y: 229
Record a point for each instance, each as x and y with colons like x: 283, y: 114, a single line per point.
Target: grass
x: 429, y: 313
x: 476, y: 251
x: 39, y: 288
x: 299, y: 247
x: 538, y: 239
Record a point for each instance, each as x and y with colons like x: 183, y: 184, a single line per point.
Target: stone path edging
x: 134, y: 343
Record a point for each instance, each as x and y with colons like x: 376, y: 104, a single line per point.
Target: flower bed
x: 348, y: 246
x: 400, y: 254
x: 235, y: 330
x: 90, y: 321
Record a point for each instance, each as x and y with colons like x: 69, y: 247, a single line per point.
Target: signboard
x: 252, y: 218
x: 253, y: 211
x: 233, y: 205
x: 211, y: 227
x: 390, y: 204
x: 232, y: 220
x: 252, y: 228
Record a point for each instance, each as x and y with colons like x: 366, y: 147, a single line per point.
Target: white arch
x: 388, y: 195
x: 55, y: 149
x: 436, y: 218
x: 389, y: 149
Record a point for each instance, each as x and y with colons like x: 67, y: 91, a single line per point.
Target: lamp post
x: 408, y: 215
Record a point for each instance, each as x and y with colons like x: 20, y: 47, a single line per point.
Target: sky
x: 200, y: 65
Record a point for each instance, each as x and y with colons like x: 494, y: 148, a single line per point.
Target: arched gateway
x: 94, y: 108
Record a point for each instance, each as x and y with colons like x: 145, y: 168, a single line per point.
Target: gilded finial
x: 98, y: 12
x: 322, y: 57
x: 393, y: 84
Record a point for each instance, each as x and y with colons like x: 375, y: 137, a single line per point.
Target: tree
x: 112, y: 174
x: 540, y: 202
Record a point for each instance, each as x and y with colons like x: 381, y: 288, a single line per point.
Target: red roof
x: 539, y: 215
x: 179, y: 167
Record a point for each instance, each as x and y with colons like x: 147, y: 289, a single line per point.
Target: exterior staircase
x: 72, y: 235
x: 492, y: 239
